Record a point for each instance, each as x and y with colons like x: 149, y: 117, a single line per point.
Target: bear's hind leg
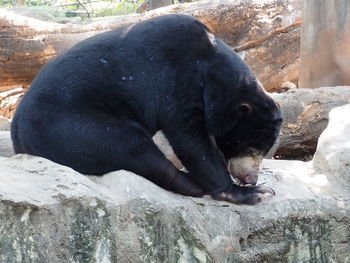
x: 101, y: 144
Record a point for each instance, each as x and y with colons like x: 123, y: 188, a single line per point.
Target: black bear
x: 96, y: 107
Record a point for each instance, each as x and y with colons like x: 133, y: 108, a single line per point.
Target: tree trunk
x: 20, y: 2
x: 325, y: 44
x: 265, y: 33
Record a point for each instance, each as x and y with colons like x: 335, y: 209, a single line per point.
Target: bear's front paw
x: 248, y: 195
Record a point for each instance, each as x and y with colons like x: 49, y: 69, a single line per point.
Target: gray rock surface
x: 50, y: 213
x: 332, y: 156
x: 4, y: 124
x: 6, y: 147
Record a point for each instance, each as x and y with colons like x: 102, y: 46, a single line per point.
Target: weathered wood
x: 27, y: 44
x: 325, y: 44
x: 9, y: 99
x: 266, y: 34
x: 305, y: 113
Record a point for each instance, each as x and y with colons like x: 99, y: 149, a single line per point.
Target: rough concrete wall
x: 325, y: 43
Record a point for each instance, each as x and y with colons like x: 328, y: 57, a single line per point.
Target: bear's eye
x: 245, y: 108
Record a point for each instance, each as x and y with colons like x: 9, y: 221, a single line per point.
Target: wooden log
x: 27, y: 44
x: 265, y: 33
x: 305, y: 113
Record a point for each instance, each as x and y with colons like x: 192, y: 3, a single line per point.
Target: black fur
x: 96, y: 107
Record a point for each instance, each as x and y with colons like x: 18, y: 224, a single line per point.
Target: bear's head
x: 242, y: 117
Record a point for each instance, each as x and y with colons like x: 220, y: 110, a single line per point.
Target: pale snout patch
x: 245, y: 168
